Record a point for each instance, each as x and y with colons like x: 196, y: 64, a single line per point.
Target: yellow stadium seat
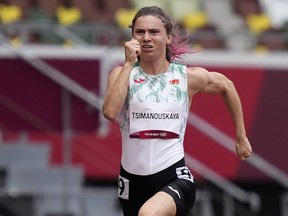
x: 68, y: 16
x: 124, y: 17
x: 10, y: 14
x: 195, y: 21
x: 258, y: 23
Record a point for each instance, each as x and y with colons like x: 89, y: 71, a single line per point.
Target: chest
x: 169, y: 87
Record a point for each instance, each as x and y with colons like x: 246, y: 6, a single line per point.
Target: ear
x: 169, y: 39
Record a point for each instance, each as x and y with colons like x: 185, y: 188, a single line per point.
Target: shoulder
x: 198, y: 78
x: 117, y: 69
x: 197, y: 74
x: 115, y: 72
x: 194, y: 71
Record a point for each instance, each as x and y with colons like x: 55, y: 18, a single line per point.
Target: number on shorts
x: 123, y: 188
x: 184, y: 173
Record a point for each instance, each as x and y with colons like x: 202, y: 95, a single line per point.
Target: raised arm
x: 200, y: 80
x: 118, y: 82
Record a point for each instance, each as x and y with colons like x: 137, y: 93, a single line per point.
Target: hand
x: 243, y: 148
x: 132, y: 50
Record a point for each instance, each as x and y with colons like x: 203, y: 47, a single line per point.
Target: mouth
x: 147, y: 47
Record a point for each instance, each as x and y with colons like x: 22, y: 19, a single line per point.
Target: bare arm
x: 118, y: 82
x: 201, y: 80
x: 116, y: 92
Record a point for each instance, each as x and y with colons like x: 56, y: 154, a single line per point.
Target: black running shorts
x: 176, y: 180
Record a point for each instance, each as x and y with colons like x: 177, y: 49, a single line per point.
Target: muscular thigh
x: 174, y: 199
x: 161, y: 204
x: 183, y: 194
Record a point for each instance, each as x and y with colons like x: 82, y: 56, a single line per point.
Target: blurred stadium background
x: 58, y: 156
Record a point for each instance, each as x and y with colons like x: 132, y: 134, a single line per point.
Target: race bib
x: 155, y: 120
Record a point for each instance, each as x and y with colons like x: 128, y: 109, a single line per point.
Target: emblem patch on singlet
x: 184, y: 173
x: 123, y: 188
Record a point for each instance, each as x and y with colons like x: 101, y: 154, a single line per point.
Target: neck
x: 154, y: 67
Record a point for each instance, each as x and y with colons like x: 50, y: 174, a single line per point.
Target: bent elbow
x: 228, y: 86
x: 108, y: 114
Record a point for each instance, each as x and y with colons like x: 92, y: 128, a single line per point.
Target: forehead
x: 149, y: 21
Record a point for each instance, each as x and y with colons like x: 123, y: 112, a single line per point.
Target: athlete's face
x: 152, y: 36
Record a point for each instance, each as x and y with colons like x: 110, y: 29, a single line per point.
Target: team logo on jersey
x: 139, y: 80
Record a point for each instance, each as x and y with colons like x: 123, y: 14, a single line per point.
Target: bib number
x: 184, y: 173
x: 123, y: 188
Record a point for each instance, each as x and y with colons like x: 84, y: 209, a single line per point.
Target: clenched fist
x: 132, y: 50
x: 243, y: 148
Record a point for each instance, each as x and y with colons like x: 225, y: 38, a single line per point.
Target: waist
x: 149, y: 156
x: 169, y: 171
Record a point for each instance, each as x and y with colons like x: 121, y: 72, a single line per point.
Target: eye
x: 139, y: 32
x: 154, y: 31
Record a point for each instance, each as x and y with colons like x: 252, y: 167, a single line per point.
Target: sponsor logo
x: 139, y: 80
x: 174, y: 190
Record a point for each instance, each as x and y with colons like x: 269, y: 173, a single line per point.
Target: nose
x: 146, y: 36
